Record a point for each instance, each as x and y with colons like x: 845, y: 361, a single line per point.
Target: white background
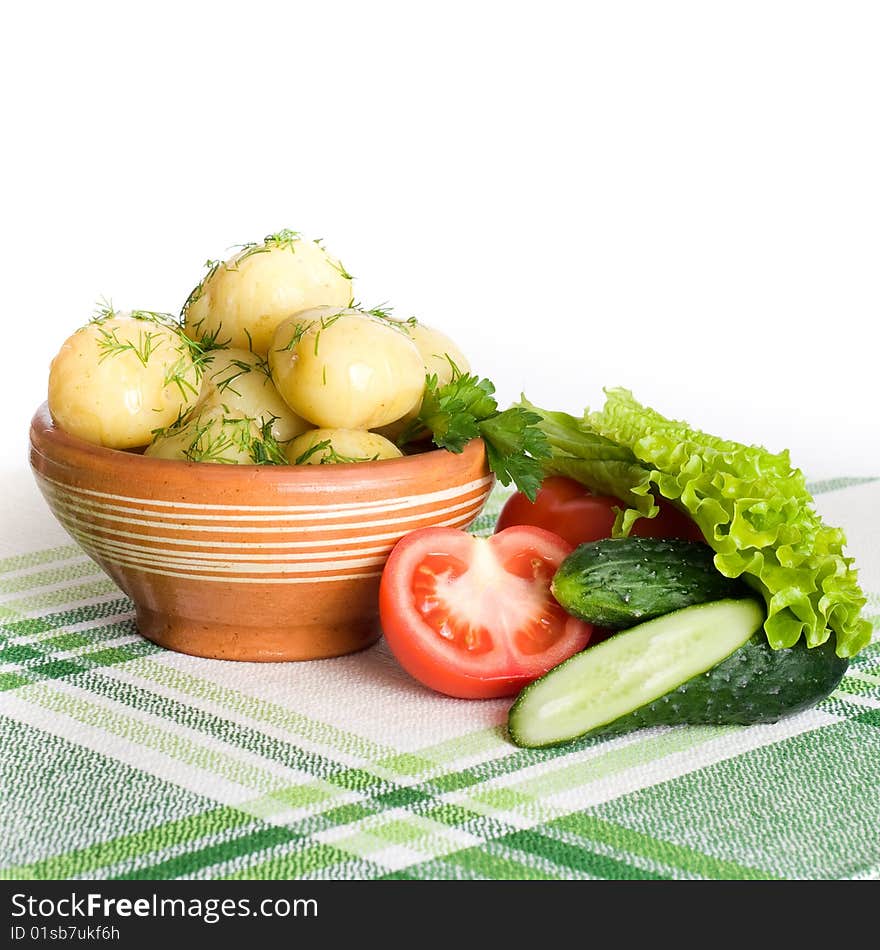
x: 682, y: 198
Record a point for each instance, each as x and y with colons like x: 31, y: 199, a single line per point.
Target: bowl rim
x: 50, y: 441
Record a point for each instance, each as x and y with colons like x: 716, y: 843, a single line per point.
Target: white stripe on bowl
x: 136, y: 564
x: 243, y: 566
x: 63, y: 495
x: 112, y: 546
x: 231, y: 579
x: 222, y: 526
x: 72, y: 521
x: 382, y: 505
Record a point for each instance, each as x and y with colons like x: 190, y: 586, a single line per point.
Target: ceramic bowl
x: 250, y: 562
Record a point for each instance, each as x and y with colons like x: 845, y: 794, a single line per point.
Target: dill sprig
x: 297, y: 335
x: 212, y: 449
x: 337, y: 265
x: 110, y: 345
x: 216, y: 437
x: 104, y: 310
x: 224, y: 439
x: 164, y: 432
x: 154, y: 316
x: 325, y: 323
x: 201, y: 349
x: 147, y: 343
x: 192, y: 355
x: 332, y: 457
x: 235, y: 370
x: 199, y: 289
x: 284, y: 240
x: 262, y: 366
x: 383, y: 312
x: 266, y: 450
x: 178, y: 374
x: 301, y: 329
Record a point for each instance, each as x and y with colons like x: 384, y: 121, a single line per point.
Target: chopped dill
x: 235, y: 369
x: 298, y: 334
x: 332, y: 457
x: 206, y: 446
x: 165, y: 431
x: 383, y: 312
x: 163, y: 319
x: 285, y: 238
x: 199, y: 289
x: 104, y: 310
x: 110, y: 345
x: 262, y: 366
x: 224, y: 440
x: 326, y: 323
x: 282, y: 240
x: 310, y: 451
x: 191, y: 354
x: 340, y: 268
x: 177, y: 375
x: 266, y: 450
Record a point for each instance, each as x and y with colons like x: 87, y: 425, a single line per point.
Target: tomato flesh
x: 572, y: 511
x: 474, y: 617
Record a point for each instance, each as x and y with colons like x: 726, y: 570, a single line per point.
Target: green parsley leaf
x: 465, y: 409
x: 515, y: 445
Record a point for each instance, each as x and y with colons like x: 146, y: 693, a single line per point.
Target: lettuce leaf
x: 752, y: 507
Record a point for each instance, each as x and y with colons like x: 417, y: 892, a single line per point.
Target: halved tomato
x: 474, y: 617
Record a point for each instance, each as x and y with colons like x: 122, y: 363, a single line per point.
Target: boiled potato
x: 323, y: 446
x: 208, y: 434
x: 436, y: 350
x: 120, y: 377
x: 240, y: 381
x: 346, y: 369
x: 242, y: 301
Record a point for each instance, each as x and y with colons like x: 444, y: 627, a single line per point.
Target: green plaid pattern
x: 122, y: 760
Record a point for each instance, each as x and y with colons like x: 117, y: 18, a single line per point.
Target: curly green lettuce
x: 752, y: 507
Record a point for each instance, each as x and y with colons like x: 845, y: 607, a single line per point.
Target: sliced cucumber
x: 630, y: 670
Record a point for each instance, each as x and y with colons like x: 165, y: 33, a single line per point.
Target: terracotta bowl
x: 250, y: 562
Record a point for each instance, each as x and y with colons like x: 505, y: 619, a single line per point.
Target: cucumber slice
x: 630, y: 670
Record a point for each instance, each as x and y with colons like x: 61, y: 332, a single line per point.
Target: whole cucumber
x: 619, y: 582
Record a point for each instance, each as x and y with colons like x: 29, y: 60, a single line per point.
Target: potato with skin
x: 120, y: 377
x: 325, y: 446
x: 240, y: 381
x: 436, y: 350
x: 346, y: 369
x: 208, y: 434
x: 241, y: 302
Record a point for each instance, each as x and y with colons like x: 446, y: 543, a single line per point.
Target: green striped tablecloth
x: 122, y: 760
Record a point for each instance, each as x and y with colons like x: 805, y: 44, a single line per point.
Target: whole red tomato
x: 572, y: 511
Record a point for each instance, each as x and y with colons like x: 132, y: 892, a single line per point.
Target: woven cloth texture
x: 123, y: 760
